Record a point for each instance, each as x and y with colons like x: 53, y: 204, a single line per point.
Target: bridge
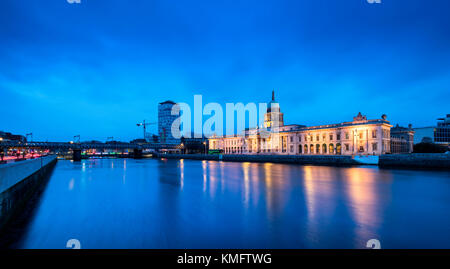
x: 77, y: 148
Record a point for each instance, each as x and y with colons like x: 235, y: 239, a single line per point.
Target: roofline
x: 167, y: 102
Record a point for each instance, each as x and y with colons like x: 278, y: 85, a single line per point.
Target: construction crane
x: 144, y: 124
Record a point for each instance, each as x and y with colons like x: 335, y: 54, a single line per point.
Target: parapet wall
x: 416, y: 160
x: 294, y: 159
x: 12, y: 173
x: 19, y: 181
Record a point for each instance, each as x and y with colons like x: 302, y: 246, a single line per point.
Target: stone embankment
x: 416, y: 160
x: 293, y: 159
x: 21, y: 180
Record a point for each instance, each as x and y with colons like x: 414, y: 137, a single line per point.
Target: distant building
x: 5, y: 136
x: 402, y: 139
x: 165, y: 121
x: 194, y: 144
x: 439, y: 134
x: 358, y: 137
x: 424, y: 134
x: 442, y: 133
x: 138, y: 141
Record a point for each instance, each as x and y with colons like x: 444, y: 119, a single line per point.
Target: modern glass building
x: 442, y: 131
x: 439, y: 134
x: 165, y: 121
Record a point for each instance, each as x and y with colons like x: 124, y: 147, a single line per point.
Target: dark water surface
x: 126, y: 203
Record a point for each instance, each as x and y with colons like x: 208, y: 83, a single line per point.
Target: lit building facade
x: 165, y: 121
x: 358, y: 137
x: 402, y: 139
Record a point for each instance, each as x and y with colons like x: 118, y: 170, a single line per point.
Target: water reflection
x: 366, y: 205
x: 170, y: 172
x: 125, y: 203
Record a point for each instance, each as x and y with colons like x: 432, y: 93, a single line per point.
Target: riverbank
x: 289, y: 159
x: 423, y: 161
x: 19, y: 182
x: 416, y: 160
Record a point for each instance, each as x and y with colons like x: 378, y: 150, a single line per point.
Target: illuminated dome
x: 273, y: 106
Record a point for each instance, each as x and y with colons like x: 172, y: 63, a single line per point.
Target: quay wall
x: 19, y: 181
x: 292, y: 159
x: 416, y: 160
x: 412, y: 160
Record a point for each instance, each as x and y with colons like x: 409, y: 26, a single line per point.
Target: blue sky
x: 99, y: 67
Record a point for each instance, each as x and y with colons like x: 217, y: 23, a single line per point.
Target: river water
x: 159, y: 203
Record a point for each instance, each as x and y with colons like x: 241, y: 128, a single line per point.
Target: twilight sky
x: 99, y: 67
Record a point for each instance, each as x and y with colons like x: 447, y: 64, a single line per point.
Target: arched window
x: 311, y: 149
x: 317, y: 149
x: 306, y: 149
x: 338, y: 149
x: 331, y: 149
x: 299, y: 149
x: 324, y: 148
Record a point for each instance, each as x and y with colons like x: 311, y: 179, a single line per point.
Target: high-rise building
x: 165, y: 121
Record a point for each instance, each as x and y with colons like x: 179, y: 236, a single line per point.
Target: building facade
x: 358, y: 137
x: 6, y: 137
x: 165, y: 121
x: 442, y: 132
x: 402, y: 139
x: 439, y: 134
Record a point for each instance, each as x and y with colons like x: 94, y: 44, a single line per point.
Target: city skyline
x: 99, y: 76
